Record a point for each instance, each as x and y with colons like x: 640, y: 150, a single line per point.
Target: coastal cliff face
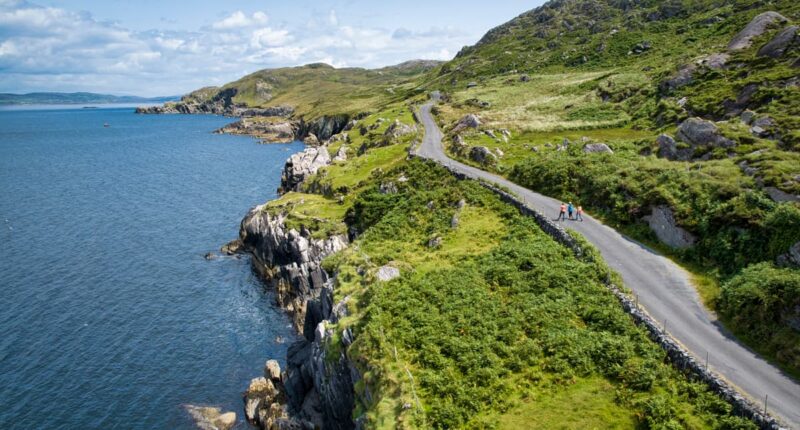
x: 316, y: 389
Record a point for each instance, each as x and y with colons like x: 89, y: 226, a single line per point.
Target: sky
x: 170, y: 47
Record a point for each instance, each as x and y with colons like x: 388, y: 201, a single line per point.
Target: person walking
x: 570, y: 210
x: 579, y: 214
x: 562, y: 213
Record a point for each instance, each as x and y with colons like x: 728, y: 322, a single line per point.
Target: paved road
x: 663, y: 288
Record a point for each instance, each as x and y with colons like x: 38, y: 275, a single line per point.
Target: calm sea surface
x: 110, y: 317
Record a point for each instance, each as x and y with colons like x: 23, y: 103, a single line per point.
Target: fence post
x: 766, y: 398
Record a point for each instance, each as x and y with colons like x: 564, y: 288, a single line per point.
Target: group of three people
x: 570, y: 210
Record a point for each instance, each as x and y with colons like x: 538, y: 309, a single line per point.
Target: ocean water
x: 110, y: 317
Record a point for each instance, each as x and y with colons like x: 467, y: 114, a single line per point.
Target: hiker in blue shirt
x: 570, y: 210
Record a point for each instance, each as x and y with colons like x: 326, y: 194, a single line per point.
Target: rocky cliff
x: 316, y: 388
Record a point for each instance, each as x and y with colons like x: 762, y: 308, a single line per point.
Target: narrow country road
x: 664, y: 290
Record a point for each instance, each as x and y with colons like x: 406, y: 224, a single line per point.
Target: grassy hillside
x: 573, y: 73
x: 315, y: 90
x: 491, y: 333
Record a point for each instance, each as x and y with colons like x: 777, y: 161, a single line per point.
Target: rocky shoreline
x: 315, y: 390
x: 274, y: 124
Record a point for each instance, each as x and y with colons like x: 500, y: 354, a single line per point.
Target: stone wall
x: 678, y: 356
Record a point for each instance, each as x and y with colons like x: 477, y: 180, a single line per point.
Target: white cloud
x: 239, y: 19
x: 52, y: 49
x: 266, y: 36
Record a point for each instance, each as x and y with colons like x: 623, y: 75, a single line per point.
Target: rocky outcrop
x: 272, y: 132
x: 668, y: 148
x: 302, y: 165
x: 315, y: 390
x: 776, y: 47
x: 284, y: 111
x: 467, y: 121
x: 341, y: 154
x: 324, y: 127
x: 781, y: 196
x: 597, y: 148
x: 211, y: 418
x: 755, y: 28
x: 397, y: 129
x: 311, y: 140
x: 482, y: 155
x: 387, y: 273
x: 662, y: 222
x: 791, y: 258
x: 701, y: 136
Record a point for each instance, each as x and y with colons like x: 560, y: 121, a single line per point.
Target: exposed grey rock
x: 454, y: 221
x: 467, y: 121
x: 776, y: 47
x: 594, y: 148
x: 747, y: 169
x: 281, y: 111
x: 272, y: 370
x: 472, y: 84
x: 397, y: 129
x: 662, y: 222
x: 683, y: 77
x: 311, y: 140
x: 781, y: 196
x: 341, y: 154
x: 668, y: 148
x: 210, y: 256
x: 482, y: 154
x: 388, y: 188
x: 524, y: 78
x: 763, y: 126
x: 791, y: 258
x: 755, y: 28
x: 490, y: 133
x: 302, y: 165
x: 699, y: 132
x: 435, y: 242
x: 211, y: 418
x: 499, y: 152
x: 715, y: 61
x: 748, y: 116
x: 272, y: 132
x: 387, y: 273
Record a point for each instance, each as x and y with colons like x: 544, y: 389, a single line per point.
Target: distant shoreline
x: 74, y: 106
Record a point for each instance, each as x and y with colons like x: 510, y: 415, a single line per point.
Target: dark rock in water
x: 233, y: 247
x: 699, y: 132
x: 755, y: 28
x: 210, y: 256
x: 776, y: 47
x: 662, y: 222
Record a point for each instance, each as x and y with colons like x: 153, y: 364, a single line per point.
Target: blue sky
x: 167, y: 47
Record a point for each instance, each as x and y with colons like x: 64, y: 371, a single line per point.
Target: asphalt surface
x: 664, y: 290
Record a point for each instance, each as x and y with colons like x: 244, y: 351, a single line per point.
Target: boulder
x: 776, y: 47
x: 435, y: 242
x: 748, y: 116
x: 467, y: 121
x: 755, y: 28
x: 341, y: 154
x: 699, y: 132
x: 302, y: 165
x: 683, y: 77
x: 211, y: 418
x: 763, y: 126
x: 260, y: 393
x: 311, y: 140
x: 781, y: 196
x: 272, y: 370
x: 594, y: 148
x: 791, y: 258
x: 662, y: 222
x: 387, y: 273
x: 482, y: 154
x: 715, y: 61
x: 397, y: 129
x: 524, y: 78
